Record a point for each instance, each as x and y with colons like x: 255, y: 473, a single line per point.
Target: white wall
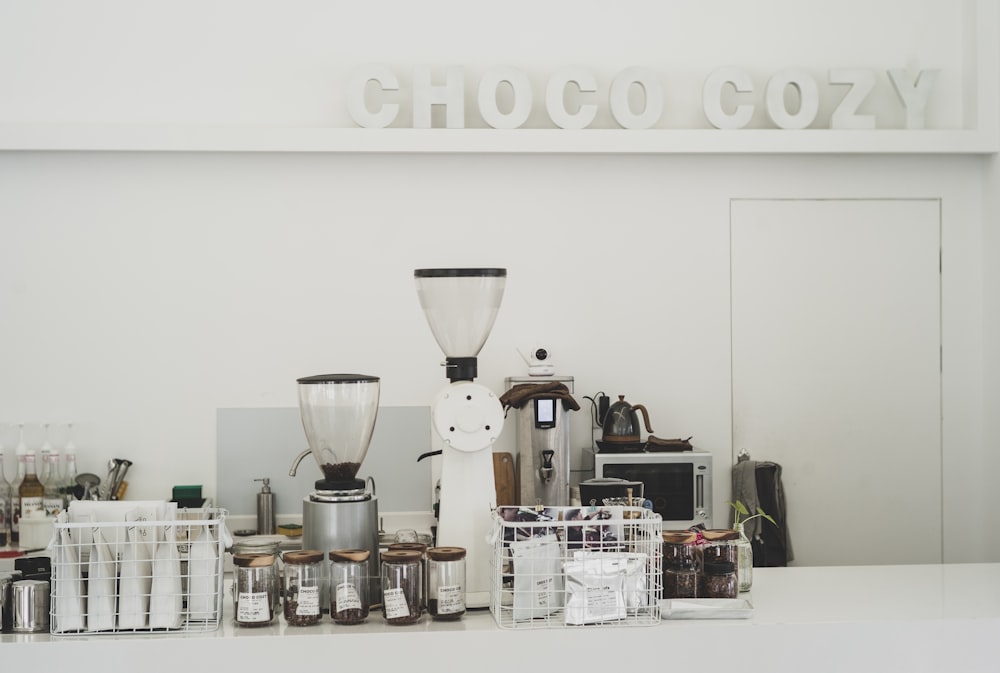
x: 139, y: 292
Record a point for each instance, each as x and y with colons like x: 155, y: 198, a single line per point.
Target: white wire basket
x: 558, y: 567
x: 138, y: 577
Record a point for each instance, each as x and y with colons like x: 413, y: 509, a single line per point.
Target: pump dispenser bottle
x: 265, y: 508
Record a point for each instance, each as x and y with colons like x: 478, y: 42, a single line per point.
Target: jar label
x: 347, y: 597
x: 395, y: 604
x: 308, y: 605
x: 451, y: 599
x: 253, y: 608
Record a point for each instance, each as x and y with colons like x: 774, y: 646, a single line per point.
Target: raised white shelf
x: 151, y: 138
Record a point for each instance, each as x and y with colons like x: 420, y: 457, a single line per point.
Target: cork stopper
x: 350, y: 555
x: 446, y: 553
x: 679, y: 537
x: 254, y: 560
x: 302, y: 557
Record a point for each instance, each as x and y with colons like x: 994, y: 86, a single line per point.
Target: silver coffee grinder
x: 338, y: 415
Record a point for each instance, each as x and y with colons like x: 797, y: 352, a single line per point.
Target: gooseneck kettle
x: 620, y: 430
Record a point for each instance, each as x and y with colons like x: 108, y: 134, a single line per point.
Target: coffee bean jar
x: 422, y: 548
x: 349, y: 600
x: 255, y: 588
x: 720, y: 544
x: 401, y: 579
x: 720, y: 579
x: 446, y: 583
x: 303, y: 576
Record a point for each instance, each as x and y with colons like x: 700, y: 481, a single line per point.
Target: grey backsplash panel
x: 262, y: 442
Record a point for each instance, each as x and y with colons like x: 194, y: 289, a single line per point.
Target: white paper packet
x: 595, y: 590
x: 101, y: 576
x: 203, y: 576
x: 166, y: 599
x: 538, y: 581
x: 135, y: 578
x: 67, y: 583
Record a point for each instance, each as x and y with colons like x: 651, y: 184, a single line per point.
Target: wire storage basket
x: 576, y: 566
x: 139, y: 577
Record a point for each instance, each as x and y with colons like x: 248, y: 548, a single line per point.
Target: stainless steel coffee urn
x: 543, y: 439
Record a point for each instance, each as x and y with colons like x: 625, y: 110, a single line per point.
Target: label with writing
x: 601, y: 601
x: 30, y: 504
x: 308, y: 605
x: 543, y: 590
x: 52, y: 506
x: 253, y: 607
x: 395, y: 604
x: 451, y: 599
x: 347, y: 597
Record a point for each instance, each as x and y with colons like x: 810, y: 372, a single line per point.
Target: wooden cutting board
x: 504, y: 479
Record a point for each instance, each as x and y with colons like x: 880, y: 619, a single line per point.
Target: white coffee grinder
x: 461, y: 306
x: 338, y: 415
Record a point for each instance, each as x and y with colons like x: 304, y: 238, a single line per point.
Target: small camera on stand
x: 539, y: 361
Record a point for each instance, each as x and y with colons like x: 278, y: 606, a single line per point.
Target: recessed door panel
x: 836, y: 342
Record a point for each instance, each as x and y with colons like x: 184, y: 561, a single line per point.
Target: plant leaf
x: 766, y: 516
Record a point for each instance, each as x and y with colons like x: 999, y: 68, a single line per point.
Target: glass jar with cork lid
x: 349, y: 600
x: 401, y: 580
x: 303, y: 576
x: 446, y: 582
x: 422, y: 549
x: 255, y: 588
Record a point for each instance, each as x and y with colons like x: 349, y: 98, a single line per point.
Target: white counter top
x: 894, y: 618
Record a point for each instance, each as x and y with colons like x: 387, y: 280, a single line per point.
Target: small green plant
x: 742, y: 511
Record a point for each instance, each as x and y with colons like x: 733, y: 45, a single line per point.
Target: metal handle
x: 298, y: 459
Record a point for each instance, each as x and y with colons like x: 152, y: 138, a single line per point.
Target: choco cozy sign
x: 370, y: 106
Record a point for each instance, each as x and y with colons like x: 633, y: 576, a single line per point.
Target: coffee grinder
x: 461, y: 306
x: 338, y: 415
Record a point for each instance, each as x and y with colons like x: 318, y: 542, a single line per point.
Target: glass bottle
x: 401, y: 586
x: 255, y: 589
x: 31, y: 492
x: 5, y: 503
x: 42, y: 462
x: 744, y: 560
x: 446, y: 582
x: 21, y: 453
x: 52, y: 500
x: 303, y: 574
x: 349, y: 601
x: 69, y: 470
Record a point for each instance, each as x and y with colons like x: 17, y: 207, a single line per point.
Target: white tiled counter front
x: 871, y: 618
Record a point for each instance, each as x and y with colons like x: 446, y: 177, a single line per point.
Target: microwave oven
x: 678, y: 484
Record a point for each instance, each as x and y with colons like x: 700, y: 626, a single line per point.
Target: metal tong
x: 117, y: 469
